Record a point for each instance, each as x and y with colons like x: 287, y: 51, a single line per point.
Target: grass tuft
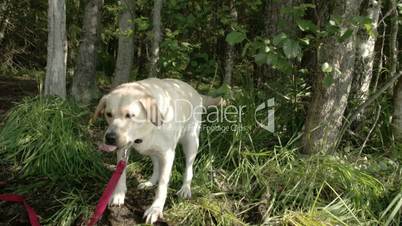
x: 203, y: 211
x: 46, y: 137
x: 47, y: 144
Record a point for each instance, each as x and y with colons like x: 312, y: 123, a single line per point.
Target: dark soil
x: 12, y: 91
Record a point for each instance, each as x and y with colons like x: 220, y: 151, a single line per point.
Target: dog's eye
x: 109, y: 115
x: 128, y: 115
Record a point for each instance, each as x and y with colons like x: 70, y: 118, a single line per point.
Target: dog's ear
x: 152, y: 110
x: 100, y: 108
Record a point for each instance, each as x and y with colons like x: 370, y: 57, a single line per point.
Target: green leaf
x: 370, y: 29
x: 260, y: 58
x: 235, y: 37
x: 306, y: 25
x: 328, y: 80
x: 279, y: 38
x: 346, y: 35
x: 272, y: 59
x: 326, y: 68
x: 142, y: 23
x: 291, y: 49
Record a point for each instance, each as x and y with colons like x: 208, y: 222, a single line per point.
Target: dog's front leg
x: 155, y: 211
x: 119, y: 193
x: 155, y: 174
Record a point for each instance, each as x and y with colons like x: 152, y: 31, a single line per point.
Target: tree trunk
x: 3, y: 19
x: 397, y: 114
x: 230, y: 49
x: 125, y: 54
x: 365, y: 53
x: 84, y: 87
x: 157, y: 37
x: 397, y: 95
x: 55, y: 82
x: 276, y: 22
x: 328, y: 104
x: 393, y: 38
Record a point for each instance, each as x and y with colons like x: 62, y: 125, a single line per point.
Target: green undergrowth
x: 44, y: 141
x: 249, y: 176
x: 243, y: 176
x: 47, y: 136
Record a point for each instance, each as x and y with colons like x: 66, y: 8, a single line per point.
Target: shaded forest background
x: 332, y: 67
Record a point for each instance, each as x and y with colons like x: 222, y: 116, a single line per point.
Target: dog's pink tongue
x: 107, y: 148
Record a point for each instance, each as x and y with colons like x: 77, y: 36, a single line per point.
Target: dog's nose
x: 111, y: 138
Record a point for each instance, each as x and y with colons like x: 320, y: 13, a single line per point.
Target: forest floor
x: 12, y: 91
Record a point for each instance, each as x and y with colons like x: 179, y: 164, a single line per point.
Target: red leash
x: 100, y: 207
x: 107, y: 193
x: 33, y: 218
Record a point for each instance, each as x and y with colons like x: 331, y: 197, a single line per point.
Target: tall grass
x: 45, y: 140
x: 246, y: 176
x: 258, y: 177
x: 47, y: 137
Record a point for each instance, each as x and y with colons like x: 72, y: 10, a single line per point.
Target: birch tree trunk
x: 157, y: 37
x: 365, y: 54
x: 55, y: 82
x: 125, y: 52
x: 328, y: 104
x: 397, y: 94
x: 230, y: 49
x: 84, y: 87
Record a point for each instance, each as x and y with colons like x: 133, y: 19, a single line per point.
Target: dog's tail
x: 212, y: 101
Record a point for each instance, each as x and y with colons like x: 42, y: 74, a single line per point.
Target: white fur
x: 180, y: 106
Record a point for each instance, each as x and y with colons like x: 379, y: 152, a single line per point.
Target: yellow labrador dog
x: 154, y: 115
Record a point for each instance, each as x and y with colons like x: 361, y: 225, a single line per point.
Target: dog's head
x: 131, y: 115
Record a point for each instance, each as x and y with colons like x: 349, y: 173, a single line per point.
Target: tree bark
x: 157, y: 37
x: 365, y: 54
x: 230, y: 49
x: 393, y: 38
x: 55, y: 82
x: 84, y: 87
x: 276, y: 22
x: 125, y: 54
x: 3, y: 19
x: 397, y: 113
x: 328, y: 104
x: 397, y: 94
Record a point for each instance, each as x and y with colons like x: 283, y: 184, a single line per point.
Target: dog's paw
x: 117, y: 199
x: 184, y: 192
x: 152, y: 214
x: 145, y: 185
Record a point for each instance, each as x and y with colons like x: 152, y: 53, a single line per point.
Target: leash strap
x: 33, y: 217
x: 100, y: 207
x: 107, y: 193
